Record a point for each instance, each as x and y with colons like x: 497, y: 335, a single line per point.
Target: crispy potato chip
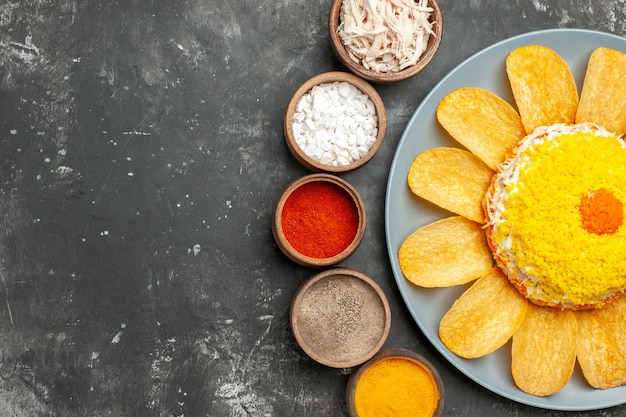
x: 602, y: 97
x: 544, y: 350
x: 543, y: 87
x: 447, y: 252
x: 484, y: 318
x: 601, y: 346
x: 453, y: 179
x: 482, y: 122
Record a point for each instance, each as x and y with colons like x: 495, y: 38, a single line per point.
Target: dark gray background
x: 141, y: 155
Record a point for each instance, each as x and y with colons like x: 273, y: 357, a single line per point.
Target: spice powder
x: 396, y: 387
x: 319, y: 219
x: 341, y: 319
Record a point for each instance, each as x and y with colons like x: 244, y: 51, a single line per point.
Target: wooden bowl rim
x: 329, y: 77
x: 380, y: 77
x: 328, y: 274
x: 293, y: 254
x: 387, y: 353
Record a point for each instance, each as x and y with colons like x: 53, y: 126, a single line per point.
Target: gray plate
x: 405, y: 213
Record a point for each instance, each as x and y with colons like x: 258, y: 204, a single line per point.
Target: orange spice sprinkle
x: 320, y: 219
x: 601, y: 212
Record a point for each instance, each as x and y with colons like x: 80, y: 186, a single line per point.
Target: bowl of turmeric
x: 388, y: 40
x: 395, y: 382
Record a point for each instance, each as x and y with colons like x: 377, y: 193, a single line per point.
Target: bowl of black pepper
x: 340, y: 317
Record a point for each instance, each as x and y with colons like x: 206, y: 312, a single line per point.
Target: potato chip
x: 602, y: 97
x: 544, y: 350
x: 448, y: 252
x: 543, y: 87
x: 453, y: 179
x: 482, y: 122
x: 601, y: 346
x: 484, y: 318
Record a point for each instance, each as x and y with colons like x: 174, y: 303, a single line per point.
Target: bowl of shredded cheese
x: 387, y: 40
x: 335, y: 122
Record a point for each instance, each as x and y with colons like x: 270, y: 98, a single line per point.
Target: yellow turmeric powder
x: 396, y: 387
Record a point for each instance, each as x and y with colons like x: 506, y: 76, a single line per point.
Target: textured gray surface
x: 141, y: 155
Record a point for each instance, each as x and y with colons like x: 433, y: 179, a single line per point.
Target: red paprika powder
x: 319, y: 219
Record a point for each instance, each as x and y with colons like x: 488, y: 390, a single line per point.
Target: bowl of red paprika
x: 319, y: 220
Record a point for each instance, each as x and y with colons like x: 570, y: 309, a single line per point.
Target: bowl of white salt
x: 388, y: 40
x: 335, y: 122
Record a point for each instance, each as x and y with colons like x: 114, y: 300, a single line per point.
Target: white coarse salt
x: 335, y: 123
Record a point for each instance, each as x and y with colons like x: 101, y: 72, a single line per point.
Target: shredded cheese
x: 385, y: 35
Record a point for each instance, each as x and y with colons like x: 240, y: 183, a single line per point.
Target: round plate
x: 405, y: 213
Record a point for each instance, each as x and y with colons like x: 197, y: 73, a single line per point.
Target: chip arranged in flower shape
x: 555, y: 214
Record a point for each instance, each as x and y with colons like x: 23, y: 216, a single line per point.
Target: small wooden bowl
x: 340, y: 317
x: 385, y: 77
x: 330, y: 77
x: 423, y: 367
x: 308, y: 261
